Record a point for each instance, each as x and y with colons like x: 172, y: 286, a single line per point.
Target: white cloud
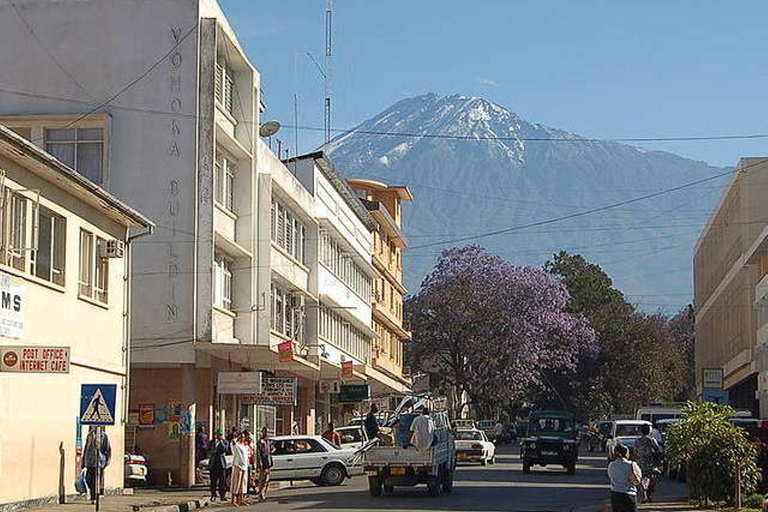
x: 482, y: 80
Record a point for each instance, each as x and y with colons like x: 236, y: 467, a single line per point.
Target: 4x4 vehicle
x: 551, y: 440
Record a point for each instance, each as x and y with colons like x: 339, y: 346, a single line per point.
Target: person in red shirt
x: 331, y: 435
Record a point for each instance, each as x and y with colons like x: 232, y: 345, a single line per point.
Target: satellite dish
x: 269, y: 128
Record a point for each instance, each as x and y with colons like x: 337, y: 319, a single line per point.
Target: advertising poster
x: 285, y: 350
x: 174, y: 430
x: 146, y: 414
x: 161, y: 414
x: 174, y: 411
x: 347, y: 368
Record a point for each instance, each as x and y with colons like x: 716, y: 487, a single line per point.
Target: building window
x: 80, y: 148
x: 342, y: 265
x: 225, y: 180
x: 224, y: 86
x: 93, y: 281
x: 222, y: 282
x: 287, y: 316
x: 340, y: 333
x: 48, y: 258
x: 288, y: 232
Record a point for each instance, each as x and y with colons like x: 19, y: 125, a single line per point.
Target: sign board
x: 347, y: 369
x: 285, y: 350
x: 239, y: 383
x: 718, y: 396
x: 146, y: 414
x: 352, y: 393
x: 712, y: 378
x: 329, y: 387
x: 30, y: 359
x: 12, y: 305
x: 97, y: 404
x: 274, y: 391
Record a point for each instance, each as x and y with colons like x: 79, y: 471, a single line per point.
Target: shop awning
x: 381, y: 383
x: 260, y: 357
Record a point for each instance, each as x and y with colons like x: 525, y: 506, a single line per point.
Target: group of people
x: 250, y: 462
x: 630, y: 476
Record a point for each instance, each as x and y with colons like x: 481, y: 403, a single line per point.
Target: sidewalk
x: 147, y: 500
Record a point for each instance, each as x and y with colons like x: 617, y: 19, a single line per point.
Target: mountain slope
x: 467, y: 185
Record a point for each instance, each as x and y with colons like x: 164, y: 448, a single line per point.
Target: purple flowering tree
x: 486, y: 330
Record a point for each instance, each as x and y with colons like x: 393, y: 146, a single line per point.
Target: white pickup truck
x: 390, y: 466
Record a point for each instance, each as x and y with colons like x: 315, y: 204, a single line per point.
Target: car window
x: 468, y: 436
x: 351, y: 435
x: 629, y: 430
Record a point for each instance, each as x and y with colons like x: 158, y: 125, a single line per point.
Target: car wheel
x: 332, y: 475
x: 317, y: 482
x: 374, y: 486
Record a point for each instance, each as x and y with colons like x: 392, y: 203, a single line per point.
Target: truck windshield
x: 551, y: 425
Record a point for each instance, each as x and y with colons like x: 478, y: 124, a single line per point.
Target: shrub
x: 711, y: 448
x: 754, y: 501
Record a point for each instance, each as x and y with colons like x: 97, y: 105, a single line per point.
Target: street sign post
x: 97, y: 407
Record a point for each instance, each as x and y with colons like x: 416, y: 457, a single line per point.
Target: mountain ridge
x: 476, y: 166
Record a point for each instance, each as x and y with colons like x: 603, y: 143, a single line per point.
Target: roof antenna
x: 328, y: 71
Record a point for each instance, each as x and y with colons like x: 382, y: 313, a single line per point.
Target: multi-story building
x: 163, y: 112
x: 340, y: 321
x: 725, y: 280
x: 385, y: 205
x: 64, y: 313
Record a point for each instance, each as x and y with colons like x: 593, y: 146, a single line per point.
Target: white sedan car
x: 474, y: 446
x: 313, y: 458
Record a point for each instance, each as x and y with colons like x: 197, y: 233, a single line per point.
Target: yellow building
x: 64, y: 265
x: 385, y: 204
x: 725, y: 276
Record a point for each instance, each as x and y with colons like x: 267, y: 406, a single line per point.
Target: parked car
x: 352, y: 436
x: 551, y: 440
x: 474, y: 446
x: 135, y: 470
x: 624, y: 432
x: 313, y: 458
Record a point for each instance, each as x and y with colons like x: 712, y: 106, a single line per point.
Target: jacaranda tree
x: 486, y: 330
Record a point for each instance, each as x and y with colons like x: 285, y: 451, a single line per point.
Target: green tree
x: 711, y: 449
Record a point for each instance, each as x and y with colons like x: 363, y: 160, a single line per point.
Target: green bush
x: 711, y: 448
x: 754, y: 501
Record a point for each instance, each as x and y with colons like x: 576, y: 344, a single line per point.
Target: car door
x: 283, y: 457
x: 310, y: 458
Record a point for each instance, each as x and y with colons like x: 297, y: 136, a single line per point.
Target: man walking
x: 217, y: 465
x: 96, y: 457
x: 264, y: 462
x: 648, y: 457
x: 625, y: 475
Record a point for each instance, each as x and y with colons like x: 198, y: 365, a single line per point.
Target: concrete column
x: 187, y: 441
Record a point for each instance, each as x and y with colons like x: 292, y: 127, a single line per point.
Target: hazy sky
x: 597, y: 68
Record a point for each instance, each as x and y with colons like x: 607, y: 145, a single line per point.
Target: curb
x: 179, y: 507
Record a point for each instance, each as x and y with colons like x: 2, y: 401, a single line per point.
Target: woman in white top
x: 240, y: 455
x: 625, y: 476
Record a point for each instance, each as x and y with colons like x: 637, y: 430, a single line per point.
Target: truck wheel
x: 526, y: 468
x: 374, y: 486
x: 332, y: 475
x: 433, y: 486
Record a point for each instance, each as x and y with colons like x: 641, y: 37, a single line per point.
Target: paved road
x: 502, y: 487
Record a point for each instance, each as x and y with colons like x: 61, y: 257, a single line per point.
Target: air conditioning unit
x: 113, y: 249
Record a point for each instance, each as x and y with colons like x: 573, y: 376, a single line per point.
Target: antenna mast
x: 328, y: 70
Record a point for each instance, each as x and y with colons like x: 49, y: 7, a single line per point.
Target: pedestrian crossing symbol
x: 97, y: 404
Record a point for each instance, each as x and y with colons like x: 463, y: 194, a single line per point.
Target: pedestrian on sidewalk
x: 96, y: 457
x: 264, y: 462
x: 625, y: 476
x: 648, y: 455
x: 202, y: 443
x: 331, y: 435
x: 217, y: 465
x: 239, y: 487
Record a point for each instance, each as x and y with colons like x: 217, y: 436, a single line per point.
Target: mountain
x: 476, y: 167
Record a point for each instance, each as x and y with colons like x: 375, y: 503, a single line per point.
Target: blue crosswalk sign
x: 97, y: 404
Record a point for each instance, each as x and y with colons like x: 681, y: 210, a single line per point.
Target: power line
x: 574, y: 138
x: 575, y: 215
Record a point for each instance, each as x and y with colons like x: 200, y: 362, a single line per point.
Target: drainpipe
x: 127, y: 277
